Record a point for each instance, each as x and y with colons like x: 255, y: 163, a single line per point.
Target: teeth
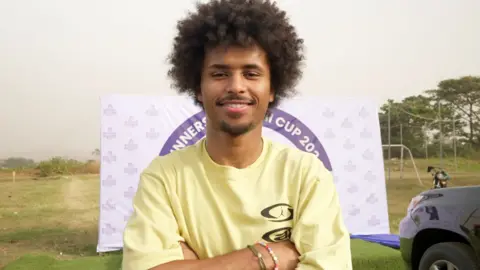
x: 235, y: 105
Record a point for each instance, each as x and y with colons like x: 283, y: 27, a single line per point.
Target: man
x: 236, y: 200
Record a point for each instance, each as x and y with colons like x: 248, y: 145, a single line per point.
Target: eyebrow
x: 247, y: 66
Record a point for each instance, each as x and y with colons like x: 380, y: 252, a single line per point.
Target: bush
x: 91, y: 167
x: 61, y: 166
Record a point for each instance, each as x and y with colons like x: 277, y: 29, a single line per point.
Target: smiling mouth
x: 235, y: 103
x: 235, y: 107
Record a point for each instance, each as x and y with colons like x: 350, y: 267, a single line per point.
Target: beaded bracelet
x: 270, y: 251
x: 259, y: 257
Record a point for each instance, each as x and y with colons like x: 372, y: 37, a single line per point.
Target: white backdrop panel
x: 345, y: 134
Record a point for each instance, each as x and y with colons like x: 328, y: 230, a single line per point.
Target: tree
x: 17, y: 162
x: 96, y: 152
x: 423, y: 122
x: 463, y: 95
x: 414, y: 122
x: 408, y: 120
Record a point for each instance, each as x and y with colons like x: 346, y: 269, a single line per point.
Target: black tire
x: 461, y: 255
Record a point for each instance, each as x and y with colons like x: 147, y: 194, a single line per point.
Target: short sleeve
x: 151, y: 236
x: 320, y: 234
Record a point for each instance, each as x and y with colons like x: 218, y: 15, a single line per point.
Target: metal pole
x: 469, y: 153
x: 454, y: 144
x: 426, y: 140
x: 441, y: 133
x: 401, y: 152
x: 389, y: 141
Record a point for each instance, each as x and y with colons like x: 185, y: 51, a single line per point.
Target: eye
x: 218, y: 74
x: 251, y: 74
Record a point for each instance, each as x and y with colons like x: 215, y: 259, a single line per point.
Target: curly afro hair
x: 237, y: 22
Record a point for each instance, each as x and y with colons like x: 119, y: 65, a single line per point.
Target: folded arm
x: 242, y: 259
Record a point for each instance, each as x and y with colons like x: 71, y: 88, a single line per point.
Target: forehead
x: 236, y: 56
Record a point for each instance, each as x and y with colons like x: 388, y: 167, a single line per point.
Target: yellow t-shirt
x: 285, y: 194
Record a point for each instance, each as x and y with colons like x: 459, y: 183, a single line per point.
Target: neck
x: 239, y: 152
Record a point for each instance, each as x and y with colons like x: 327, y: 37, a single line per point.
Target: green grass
x: 46, y: 262
x: 52, y: 223
x: 365, y: 256
x: 372, y: 256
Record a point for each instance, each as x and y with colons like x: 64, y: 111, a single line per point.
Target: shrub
x: 58, y: 166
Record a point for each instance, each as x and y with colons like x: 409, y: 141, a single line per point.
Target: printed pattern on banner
x: 344, y: 134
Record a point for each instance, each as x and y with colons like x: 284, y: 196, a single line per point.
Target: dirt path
x: 74, y: 191
x: 77, y: 197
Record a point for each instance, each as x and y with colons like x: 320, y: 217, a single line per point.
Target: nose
x: 236, y: 83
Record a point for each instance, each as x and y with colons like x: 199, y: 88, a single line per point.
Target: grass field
x: 53, y: 221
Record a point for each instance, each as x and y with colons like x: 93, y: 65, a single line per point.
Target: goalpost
x: 411, y: 158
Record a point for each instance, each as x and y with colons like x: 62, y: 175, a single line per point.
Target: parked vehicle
x: 442, y: 230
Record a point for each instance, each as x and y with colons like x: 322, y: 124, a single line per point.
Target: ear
x: 272, y: 96
x: 199, y: 96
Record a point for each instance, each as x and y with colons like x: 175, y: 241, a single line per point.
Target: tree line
x: 441, y: 121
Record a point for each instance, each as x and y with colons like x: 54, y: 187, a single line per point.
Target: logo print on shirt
x: 277, y: 235
x: 279, y: 212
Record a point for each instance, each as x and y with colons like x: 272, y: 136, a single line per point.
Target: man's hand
x: 286, y: 253
x: 240, y: 259
x: 188, y: 253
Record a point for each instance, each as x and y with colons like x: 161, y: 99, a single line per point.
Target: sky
x: 59, y: 57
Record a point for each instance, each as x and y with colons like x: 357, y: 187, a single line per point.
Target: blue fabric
x: 389, y: 240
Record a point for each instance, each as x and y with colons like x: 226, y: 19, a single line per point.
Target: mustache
x: 236, y: 98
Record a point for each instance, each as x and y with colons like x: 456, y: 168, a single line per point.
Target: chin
x: 236, y: 129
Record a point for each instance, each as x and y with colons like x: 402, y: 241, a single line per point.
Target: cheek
x: 209, y: 98
x: 267, y: 95
x: 205, y: 93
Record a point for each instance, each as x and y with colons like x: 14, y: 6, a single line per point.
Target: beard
x: 236, y: 130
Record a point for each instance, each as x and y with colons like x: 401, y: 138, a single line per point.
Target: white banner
x: 344, y: 134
